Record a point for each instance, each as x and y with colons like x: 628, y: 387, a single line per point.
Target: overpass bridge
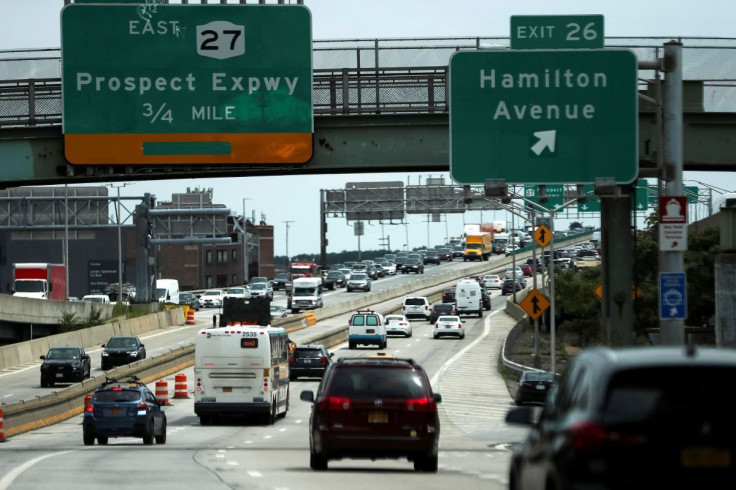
x: 379, y: 105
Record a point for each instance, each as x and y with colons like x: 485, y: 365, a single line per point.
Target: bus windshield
x: 27, y: 286
x: 305, y: 292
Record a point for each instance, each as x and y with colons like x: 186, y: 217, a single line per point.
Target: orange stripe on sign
x: 200, y: 148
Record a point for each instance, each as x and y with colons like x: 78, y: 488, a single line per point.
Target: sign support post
x: 672, y: 330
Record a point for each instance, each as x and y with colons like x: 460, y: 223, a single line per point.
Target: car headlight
x: 133, y: 353
x: 44, y: 367
x: 77, y: 366
x: 105, y: 354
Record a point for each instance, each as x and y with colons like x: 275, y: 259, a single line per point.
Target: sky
x: 35, y: 24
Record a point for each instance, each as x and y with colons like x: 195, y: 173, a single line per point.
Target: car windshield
x: 116, y: 396
x: 377, y: 383
x: 359, y: 277
x: 185, y: 296
x: 334, y: 274
x: 241, y: 290
x: 448, y: 319
x: 390, y: 319
x: 415, y: 301
x: 307, y: 352
x: 62, y: 354
x: 256, y: 287
x: 443, y: 308
x: 539, y: 376
x: 122, y: 343
x: 212, y: 293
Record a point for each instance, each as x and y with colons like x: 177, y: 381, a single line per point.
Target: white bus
x: 241, y: 370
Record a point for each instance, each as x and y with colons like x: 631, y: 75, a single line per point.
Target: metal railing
x: 371, y: 76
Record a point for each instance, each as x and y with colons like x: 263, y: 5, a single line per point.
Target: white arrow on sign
x: 546, y: 140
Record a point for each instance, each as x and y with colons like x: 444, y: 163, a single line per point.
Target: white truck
x: 306, y: 294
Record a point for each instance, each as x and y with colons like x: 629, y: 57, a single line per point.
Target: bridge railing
x: 371, y: 76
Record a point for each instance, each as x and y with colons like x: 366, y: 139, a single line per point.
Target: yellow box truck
x: 477, y: 246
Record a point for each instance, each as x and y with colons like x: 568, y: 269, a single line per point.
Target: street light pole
x: 120, y: 245
x: 245, y: 245
x: 287, y: 242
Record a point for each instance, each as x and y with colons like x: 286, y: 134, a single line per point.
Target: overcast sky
x: 35, y: 24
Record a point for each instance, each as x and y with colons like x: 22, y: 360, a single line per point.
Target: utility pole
x: 120, y: 245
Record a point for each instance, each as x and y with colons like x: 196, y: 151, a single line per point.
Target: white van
x: 367, y: 327
x: 306, y: 294
x: 97, y: 298
x: 167, y: 291
x: 468, y: 298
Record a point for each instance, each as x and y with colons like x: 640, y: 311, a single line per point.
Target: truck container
x: 477, y: 246
x: 39, y: 280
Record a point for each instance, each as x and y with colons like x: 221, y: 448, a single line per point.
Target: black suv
x: 309, y: 360
x: 431, y: 257
x: 440, y: 309
x: 122, y: 350
x: 64, y: 364
x: 374, y: 408
x: 413, y: 265
x: 123, y: 409
x: 638, y: 418
x: 280, y: 281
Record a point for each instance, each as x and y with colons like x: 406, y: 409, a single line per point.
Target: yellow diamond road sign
x: 535, y: 304
x: 542, y: 236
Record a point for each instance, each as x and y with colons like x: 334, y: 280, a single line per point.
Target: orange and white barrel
x: 162, y: 392
x: 190, y: 317
x: 180, y: 386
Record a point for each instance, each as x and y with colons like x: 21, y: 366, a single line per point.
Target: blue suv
x: 123, y: 409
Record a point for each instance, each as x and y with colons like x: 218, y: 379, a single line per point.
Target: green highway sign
x: 543, y: 116
x: 556, y: 31
x: 640, y: 202
x: 592, y: 203
x: 554, y: 195
x: 169, y: 84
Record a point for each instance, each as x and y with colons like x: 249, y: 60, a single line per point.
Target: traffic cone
x: 180, y: 386
x: 2, y: 427
x: 190, y: 317
x: 162, y: 392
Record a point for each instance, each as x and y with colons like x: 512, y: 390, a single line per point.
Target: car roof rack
x: 386, y: 359
x: 129, y: 380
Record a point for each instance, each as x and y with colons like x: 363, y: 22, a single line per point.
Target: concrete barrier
x: 47, y: 312
x: 30, y: 351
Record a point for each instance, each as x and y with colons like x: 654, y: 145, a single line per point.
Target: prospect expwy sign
x: 543, y: 116
x: 163, y: 84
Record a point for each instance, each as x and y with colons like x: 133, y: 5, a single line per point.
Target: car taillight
x: 323, y: 360
x: 142, y: 408
x: 89, y: 408
x: 335, y: 403
x: 589, y: 436
x: 437, y: 325
x: 424, y: 405
x: 459, y: 325
x: 291, y: 359
x: 426, y: 307
x: 526, y: 384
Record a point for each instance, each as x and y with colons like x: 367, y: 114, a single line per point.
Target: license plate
x: 378, y: 418
x: 370, y: 330
x: 227, y: 389
x: 59, y: 375
x: 705, y: 457
x: 307, y: 361
x: 114, y: 411
x: 540, y: 387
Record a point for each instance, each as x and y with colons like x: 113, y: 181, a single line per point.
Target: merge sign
x: 169, y: 84
x: 543, y: 116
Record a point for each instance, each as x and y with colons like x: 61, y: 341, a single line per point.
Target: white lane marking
x: 220, y: 455
x: 9, y: 395
x: 16, y: 472
x: 267, y: 437
x: 233, y: 463
x: 255, y: 474
x: 222, y: 451
x: 451, y: 361
x: 247, y: 442
x: 282, y: 430
x: 298, y: 421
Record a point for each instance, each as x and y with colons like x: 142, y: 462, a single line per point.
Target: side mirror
x: 142, y: 345
x: 307, y: 396
x: 332, y: 354
x: 437, y: 397
x: 85, y: 356
x: 103, y: 346
x: 43, y: 357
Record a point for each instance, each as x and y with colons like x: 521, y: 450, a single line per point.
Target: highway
x: 475, y: 442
